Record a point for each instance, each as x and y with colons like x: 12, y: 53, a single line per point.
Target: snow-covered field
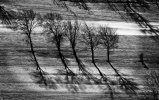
x: 125, y: 58
x: 123, y: 28
x: 16, y: 69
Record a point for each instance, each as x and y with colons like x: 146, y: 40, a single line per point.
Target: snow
x: 123, y: 28
x: 23, y: 74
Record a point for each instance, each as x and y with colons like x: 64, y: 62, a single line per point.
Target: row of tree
x: 27, y: 20
x: 57, y: 30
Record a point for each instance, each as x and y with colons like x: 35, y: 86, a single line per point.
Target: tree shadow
x: 43, y: 80
x: 126, y: 84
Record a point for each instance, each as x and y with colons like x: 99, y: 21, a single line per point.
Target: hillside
x: 98, y: 11
x: 18, y: 78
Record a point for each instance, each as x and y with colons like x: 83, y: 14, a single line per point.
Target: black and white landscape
x: 79, y: 50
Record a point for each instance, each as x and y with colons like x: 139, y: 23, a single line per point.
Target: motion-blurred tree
x: 129, y: 8
x: 72, y: 33
x: 54, y: 29
x: 26, y: 21
x: 91, y: 39
x: 109, y: 39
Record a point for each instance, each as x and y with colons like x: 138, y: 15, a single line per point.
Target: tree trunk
x: 80, y: 64
x: 35, y: 59
x: 101, y: 74
x: 33, y: 53
x: 108, y: 54
x: 93, y: 61
x: 62, y: 59
x: 116, y: 71
x: 76, y: 57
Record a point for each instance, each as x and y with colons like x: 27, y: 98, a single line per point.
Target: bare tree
x: 73, y: 34
x: 109, y: 39
x: 91, y: 39
x: 55, y: 31
x: 26, y: 22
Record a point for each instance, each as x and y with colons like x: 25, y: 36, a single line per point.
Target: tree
x: 26, y: 22
x: 54, y: 29
x: 109, y: 39
x: 130, y: 11
x: 72, y: 33
x: 91, y: 39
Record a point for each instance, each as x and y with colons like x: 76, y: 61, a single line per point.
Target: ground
x: 17, y: 82
x: 16, y: 67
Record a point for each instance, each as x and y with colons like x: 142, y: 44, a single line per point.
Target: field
x: 98, y: 12
x: 19, y: 82
x: 16, y: 66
